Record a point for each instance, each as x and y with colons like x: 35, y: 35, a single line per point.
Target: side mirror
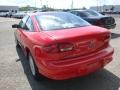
x: 15, y: 26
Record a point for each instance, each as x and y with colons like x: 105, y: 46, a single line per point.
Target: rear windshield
x: 59, y: 20
x: 91, y: 13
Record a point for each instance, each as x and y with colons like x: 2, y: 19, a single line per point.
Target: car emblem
x: 91, y: 44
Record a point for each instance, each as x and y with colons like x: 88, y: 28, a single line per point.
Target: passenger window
x: 29, y: 25
x: 23, y: 21
x: 21, y: 24
x: 74, y: 12
x: 81, y: 14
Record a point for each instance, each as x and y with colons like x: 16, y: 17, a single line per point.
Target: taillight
x: 55, y: 48
x: 65, y: 47
x: 106, y: 38
x: 51, y: 48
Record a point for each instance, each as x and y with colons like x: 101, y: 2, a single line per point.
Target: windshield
x: 59, y: 20
x: 91, y: 13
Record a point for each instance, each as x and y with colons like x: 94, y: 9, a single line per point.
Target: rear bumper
x: 76, y: 67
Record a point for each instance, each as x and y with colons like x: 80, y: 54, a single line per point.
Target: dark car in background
x: 96, y: 18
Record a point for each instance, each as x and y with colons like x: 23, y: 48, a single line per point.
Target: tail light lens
x: 51, y: 48
x: 55, y: 48
x: 107, y: 37
x: 65, y: 47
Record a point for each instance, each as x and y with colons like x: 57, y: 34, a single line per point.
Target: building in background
x: 9, y: 8
x: 107, y: 8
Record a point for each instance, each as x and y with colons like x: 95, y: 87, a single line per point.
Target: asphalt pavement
x: 15, y: 73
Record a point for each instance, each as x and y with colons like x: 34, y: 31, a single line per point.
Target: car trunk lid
x: 84, y: 40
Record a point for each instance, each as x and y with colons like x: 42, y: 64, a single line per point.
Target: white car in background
x: 19, y: 15
x: 4, y: 14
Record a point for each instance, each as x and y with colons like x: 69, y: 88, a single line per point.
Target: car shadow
x: 101, y: 80
x: 114, y: 35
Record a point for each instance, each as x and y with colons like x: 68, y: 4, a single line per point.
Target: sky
x: 59, y: 4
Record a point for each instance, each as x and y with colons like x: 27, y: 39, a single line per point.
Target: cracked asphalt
x: 15, y: 73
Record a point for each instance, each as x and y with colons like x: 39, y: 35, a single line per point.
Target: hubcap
x: 32, y: 66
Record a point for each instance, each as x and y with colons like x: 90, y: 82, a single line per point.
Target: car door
x: 20, y: 30
x: 28, y: 29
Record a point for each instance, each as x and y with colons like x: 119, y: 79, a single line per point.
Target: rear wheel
x: 33, y: 68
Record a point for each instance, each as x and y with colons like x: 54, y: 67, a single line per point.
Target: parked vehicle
x: 96, y: 18
x: 60, y: 45
x: 4, y: 14
x: 19, y: 15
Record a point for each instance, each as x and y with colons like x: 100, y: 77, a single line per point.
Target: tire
x: 33, y: 68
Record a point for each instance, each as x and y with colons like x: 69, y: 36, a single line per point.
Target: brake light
x: 106, y: 38
x: 65, y: 47
x: 51, y: 48
x: 55, y: 48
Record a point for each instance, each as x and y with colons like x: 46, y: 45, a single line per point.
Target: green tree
x: 46, y: 8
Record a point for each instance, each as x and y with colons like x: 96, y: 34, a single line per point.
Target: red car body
x: 66, y: 53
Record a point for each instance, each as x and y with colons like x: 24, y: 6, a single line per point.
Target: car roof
x: 81, y: 10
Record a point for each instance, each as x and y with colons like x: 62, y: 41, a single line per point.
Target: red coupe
x: 60, y: 45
